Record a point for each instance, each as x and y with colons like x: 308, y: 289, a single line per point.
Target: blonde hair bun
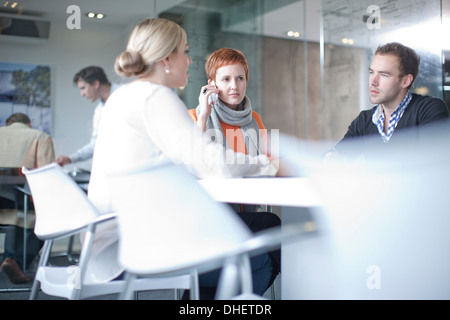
x: 129, y: 64
x: 151, y: 41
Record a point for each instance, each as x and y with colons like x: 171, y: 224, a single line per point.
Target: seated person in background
x: 94, y: 85
x: 392, y: 73
x: 224, y: 108
x: 20, y: 145
x: 145, y: 122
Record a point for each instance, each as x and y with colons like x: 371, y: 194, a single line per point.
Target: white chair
x: 169, y: 225
x: 62, y: 210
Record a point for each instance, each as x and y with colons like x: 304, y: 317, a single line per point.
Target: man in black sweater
x: 392, y: 72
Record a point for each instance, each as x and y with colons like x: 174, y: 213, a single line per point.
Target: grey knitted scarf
x: 242, y: 117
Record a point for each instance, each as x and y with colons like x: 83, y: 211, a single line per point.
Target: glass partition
x: 276, y: 61
x: 309, y: 86
x: 212, y: 24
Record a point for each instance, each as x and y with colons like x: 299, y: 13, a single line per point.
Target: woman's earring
x: 166, y: 69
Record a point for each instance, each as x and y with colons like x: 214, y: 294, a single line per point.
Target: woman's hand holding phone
x: 207, y: 99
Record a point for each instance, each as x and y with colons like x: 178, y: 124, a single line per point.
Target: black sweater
x: 422, y: 112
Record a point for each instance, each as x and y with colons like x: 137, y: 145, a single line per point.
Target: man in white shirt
x: 94, y: 85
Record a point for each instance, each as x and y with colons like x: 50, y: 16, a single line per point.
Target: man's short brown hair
x: 18, y: 117
x: 408, y: 58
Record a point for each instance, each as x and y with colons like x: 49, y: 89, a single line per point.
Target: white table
x: 295, y: 196
x: 288, y: 191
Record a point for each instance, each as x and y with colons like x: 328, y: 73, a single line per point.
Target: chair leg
x: 84, y: 257
x: 269, y: 208
x: 70, y: 257
x: 25, y: 236
x: 178, y: 294
x: 128, y: 291
x: 35, y: 289
x: 194, y: 292
x: 42, y: 262
x: 272, y: 292
x: 228, y: 282
x: 245, y: 273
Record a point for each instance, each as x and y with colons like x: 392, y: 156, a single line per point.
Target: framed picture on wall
x: 25, y: 88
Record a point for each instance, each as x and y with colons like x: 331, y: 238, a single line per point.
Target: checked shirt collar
x: 378, y: 118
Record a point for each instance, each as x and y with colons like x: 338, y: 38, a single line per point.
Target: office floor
x: 11, y: 291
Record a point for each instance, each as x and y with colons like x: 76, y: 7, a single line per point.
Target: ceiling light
x: 93, y: 15
x: 347, y: 41
x: 294, y: 34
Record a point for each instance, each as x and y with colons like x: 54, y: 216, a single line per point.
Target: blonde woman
x: 144, y: 121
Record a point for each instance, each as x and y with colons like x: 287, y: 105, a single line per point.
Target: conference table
x: 295, y: 196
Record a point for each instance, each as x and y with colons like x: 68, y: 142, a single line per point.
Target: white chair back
x: 63, y: 209
x: 52, y: 189
x: 164, y: 213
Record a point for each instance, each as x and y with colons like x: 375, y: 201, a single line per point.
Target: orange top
x: 234, y: 134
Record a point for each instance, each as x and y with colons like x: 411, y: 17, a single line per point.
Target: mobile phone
x: 213, y: 98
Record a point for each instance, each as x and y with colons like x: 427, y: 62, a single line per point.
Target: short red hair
x: 224, y: 57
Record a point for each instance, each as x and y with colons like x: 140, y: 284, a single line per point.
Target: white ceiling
x: 124, y: 13
x: 116, y: 12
